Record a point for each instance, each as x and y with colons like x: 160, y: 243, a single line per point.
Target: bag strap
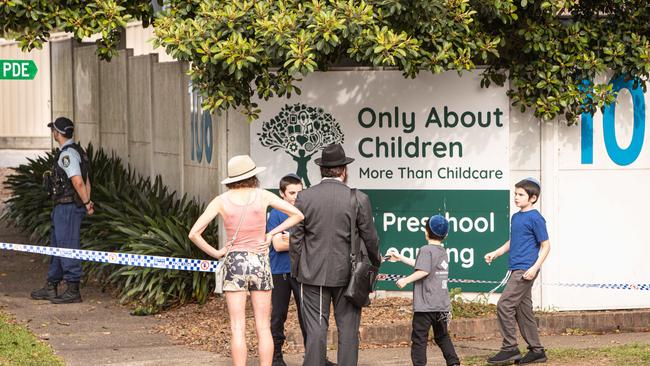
x: 241, y: 219
x: 354, y: 250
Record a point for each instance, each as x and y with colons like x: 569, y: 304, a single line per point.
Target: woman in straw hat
x: 243, y: 209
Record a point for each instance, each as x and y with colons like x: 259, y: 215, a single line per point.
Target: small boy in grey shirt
x: 431, y: 305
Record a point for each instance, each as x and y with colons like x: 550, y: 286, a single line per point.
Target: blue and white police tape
x: 139, y: 260
x: 202, y: 265
x: 611, y: 286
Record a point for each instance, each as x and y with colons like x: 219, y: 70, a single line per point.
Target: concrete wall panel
x: 168, y: 107
x: 200, y: 140
x: 201, y: 183
x: 167, y: 124
x: 113, y: 81
x: 141, y: 157
x: 114, y: 97
x: 86, y: 94
x: 140, y: 101
x: 116, y: 142
x: 140, y: 97
x: 62, y: 78
x: 86, y: 133
x: 234, y: 139
x: 167, y: 166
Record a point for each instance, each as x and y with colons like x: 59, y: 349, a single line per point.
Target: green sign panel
x: 478, y: 224
x: 17, y: 69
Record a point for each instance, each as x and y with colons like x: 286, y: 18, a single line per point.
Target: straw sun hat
x: 241, y: 167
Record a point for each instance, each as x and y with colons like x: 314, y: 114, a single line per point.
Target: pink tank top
x: 253, y: 227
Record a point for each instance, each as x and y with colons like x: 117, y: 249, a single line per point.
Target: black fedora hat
x: 333, y: 155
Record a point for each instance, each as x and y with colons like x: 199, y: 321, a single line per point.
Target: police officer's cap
x: 62, y: 125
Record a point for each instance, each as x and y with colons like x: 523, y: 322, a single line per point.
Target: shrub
x: 132, y: 215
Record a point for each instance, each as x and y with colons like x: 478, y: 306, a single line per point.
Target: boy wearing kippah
x: 431, y: 305
x: 528, y: 247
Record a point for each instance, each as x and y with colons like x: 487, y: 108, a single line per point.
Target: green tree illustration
x: 301, y: 131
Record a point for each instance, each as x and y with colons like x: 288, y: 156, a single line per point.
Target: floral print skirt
x: 247, y: 271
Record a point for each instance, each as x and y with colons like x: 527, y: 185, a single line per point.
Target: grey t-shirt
x: 430, y: 293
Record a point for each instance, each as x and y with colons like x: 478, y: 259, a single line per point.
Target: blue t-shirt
x: 527, y: 231
x: 280, y: 261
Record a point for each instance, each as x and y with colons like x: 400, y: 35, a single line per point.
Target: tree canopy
x: 551, y: 51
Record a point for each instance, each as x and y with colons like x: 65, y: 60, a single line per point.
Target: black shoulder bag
x: 363, y: 274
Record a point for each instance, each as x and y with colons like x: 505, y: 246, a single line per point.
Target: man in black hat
x: 320, y: 257
x: 69, y: 187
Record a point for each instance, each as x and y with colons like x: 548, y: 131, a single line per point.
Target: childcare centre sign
x: 434, y: 144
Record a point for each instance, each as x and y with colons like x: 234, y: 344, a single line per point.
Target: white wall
x: 25, y: 106
x: 598, y: 217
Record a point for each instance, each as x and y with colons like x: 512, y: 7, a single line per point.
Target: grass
x: 18, y: 346
x: 631, y: 354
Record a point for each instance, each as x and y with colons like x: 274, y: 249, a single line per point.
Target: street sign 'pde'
x: 17, y: 69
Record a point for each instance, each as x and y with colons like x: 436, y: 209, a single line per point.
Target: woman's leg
x: 236, y: 301
x: 262, y: 310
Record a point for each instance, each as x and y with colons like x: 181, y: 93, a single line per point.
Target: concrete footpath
x: 101, y: 332
x: 97, y: 331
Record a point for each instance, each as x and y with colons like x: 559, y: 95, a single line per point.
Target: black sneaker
x: 533, y: 357
x: 504, y: 357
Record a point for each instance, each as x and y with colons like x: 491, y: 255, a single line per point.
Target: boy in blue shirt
x: 283, y: 283
x: 528, y: 247
x: 431, y: 305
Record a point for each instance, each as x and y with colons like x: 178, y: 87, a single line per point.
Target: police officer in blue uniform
x: 69, y: 187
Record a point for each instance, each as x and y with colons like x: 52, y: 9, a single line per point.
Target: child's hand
x: 393, y: 257
x: 401, y: 282
x: 490, y: 257
x: 530, y: 273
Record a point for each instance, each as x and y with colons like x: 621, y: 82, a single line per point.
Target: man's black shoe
x: 278, y: 361
x: 70, y: 295
x: 504, y: 357
x: 329, y: 363
x: 48, y: 292
x: 533, y: 357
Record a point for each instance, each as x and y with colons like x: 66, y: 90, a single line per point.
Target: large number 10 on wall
x: 620, y: 156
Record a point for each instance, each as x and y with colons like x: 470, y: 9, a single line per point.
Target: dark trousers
x: 283, y: 286
x: 422, y: 322
x: 316, y: 302
x: 515, y: 308
x: 66, y: 225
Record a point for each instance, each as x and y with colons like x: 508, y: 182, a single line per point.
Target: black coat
x: 320, y: 244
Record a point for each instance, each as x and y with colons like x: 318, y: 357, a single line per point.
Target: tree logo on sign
x: 301, y: 131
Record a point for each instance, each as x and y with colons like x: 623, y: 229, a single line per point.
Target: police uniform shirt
x: 69, y: 160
